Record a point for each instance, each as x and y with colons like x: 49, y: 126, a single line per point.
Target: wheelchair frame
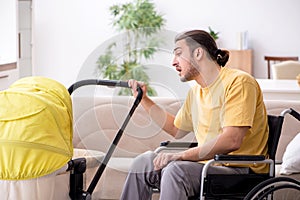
x: 262, y: 190
x: 241, y: 159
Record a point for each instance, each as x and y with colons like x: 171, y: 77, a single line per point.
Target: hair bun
x: 222, y: 57
x: 218, y: 52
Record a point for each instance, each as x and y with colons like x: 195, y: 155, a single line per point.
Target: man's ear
x: 198, y: 53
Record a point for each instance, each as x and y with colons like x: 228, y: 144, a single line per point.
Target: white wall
x: 8, y: 31
x: 66, y: 32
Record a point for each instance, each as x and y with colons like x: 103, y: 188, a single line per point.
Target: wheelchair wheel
x: 267, y: 187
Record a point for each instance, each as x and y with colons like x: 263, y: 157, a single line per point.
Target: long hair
x: 200, y: 38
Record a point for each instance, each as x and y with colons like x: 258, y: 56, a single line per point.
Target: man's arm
x: 161, y: 117
x: 230, y: 140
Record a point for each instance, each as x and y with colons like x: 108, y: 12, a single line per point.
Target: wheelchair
x: 245, y: 186
x: 269, y: 186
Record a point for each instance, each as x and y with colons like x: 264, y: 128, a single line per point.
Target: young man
x: 225, y: 110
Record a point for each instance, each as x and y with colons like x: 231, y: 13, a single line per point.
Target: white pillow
x: 291, y: 157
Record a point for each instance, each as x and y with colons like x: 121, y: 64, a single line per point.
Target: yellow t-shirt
x: 233, y: 99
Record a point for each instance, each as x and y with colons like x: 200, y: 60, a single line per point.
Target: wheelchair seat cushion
x: 36, y: 128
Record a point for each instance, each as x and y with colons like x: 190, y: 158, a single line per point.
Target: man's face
x: 184, y: 61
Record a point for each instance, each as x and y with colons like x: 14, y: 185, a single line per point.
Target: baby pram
x: 36, y: 139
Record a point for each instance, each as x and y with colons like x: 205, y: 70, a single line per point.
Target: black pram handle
x: 86, y: 195
x: 110, y: 83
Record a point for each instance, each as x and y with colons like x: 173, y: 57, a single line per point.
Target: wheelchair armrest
x: 278, y: 162
x: 179, y: 144
x: 175, y: 146
x: 223, y: 157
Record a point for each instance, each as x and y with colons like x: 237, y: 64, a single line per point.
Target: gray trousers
x: 179, y: 180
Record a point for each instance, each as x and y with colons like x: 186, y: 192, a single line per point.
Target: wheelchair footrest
x: 231, y: 185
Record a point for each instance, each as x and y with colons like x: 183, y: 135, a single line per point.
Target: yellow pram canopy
x: 36, y: 128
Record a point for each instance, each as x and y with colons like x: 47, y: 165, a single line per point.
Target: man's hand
x: 162, y: 159
x: 134, y: 84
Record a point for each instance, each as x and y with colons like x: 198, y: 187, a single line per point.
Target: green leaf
x: 141, y: 22
x: 213, y: 34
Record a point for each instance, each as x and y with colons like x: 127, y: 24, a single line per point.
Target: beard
x: 183, y: 79
x: 191, y: 74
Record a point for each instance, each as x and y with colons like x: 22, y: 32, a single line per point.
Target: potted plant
x: 140, y: 22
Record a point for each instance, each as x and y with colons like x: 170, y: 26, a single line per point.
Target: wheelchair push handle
x: 295, y: 114
x: 292, y: 112
x: 109, y: 83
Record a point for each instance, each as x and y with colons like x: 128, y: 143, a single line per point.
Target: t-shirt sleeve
x: 183, y: 119
x: 240, y: 104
